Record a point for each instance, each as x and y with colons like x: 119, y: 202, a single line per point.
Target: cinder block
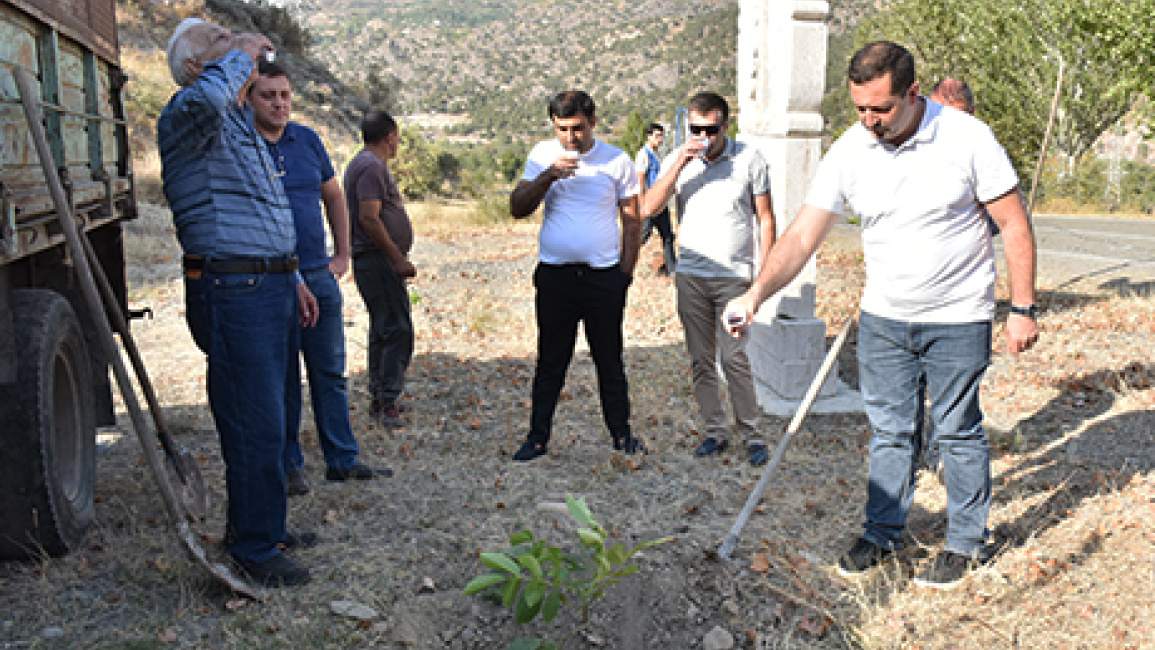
x: 785, y: 339
x: 790, y: 379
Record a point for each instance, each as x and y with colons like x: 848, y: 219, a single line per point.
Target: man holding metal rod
x: 919, y: 177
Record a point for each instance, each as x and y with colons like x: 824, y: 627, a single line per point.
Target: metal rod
x: 731, y: 541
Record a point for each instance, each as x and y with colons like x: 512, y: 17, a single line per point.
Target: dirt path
x: 1070, y: 422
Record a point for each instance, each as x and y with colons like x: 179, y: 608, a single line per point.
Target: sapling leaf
x: 527, y: 643
x: 482, y: 582
x: 530, y: 562
x: 590, y: 538
x: 534, y: 590
x: 510, y: 592
x: 578, y: 510
x: 628, y: 570
x: 550, y: 607
x: 618, y: 554
x: 652, y: 542
x: 525, y: 610
x: 500, y: 561
x: 523, y: 537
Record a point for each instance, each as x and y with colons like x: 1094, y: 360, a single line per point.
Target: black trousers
x: 661, y: 221
x: 566, y: 295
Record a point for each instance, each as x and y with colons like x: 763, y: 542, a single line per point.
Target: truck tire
x: 48, y: 430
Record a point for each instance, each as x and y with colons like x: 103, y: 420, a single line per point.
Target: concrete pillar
x: 781, y: 77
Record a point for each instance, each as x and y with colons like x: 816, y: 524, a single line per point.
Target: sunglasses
x: 708, y: 129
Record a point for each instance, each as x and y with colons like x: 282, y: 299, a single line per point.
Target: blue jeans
x: 247, y: 326
x: 898, y: 363
x: 390, y: 324
x: 323, y: 347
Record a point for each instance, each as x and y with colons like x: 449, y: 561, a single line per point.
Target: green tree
x: 1010, y: 53
x: 634, y: 135
x: 415, y: 168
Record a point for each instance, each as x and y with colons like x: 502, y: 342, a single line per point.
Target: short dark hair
x: 653, y: 128
x: 270, y: 69
x: 879, y: 58
x: 571, y: 103
x: 376, y: 126
x: 707, y: 102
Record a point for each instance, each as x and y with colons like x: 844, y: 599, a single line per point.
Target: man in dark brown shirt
x: 382, y: 237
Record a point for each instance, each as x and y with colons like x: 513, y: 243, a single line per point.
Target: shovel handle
x: 731, y: 541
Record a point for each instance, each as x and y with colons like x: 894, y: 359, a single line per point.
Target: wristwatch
x: 1031, y: 311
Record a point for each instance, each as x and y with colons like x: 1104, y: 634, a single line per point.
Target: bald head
x: 954, y: 93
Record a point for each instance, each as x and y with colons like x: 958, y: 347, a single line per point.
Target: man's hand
x: 405, y: 268
x: 254, y: 45
x: 739, y: 315
x: 565, y: 166
x: 1022, y: 333
x: 308, y: 305
x: 339, y: 266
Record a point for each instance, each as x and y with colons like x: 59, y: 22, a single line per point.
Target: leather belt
x: 195, y: 264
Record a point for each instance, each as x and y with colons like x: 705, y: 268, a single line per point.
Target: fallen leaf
x: 814, y: 626
x: 761, y: 563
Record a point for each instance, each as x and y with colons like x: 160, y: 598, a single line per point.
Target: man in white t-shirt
x: 585, y: 264
x: 722, y: 191
x: 919, y: 177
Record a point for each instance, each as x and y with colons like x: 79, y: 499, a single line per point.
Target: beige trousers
x: 701, y: 302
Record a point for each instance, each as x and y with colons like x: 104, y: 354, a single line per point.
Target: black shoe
x: 277, y: 571
x: 358, y: 471
x: 300, y: 539
x: 946, y: 572
x: 296, y: 484
x: 529, y: 450
x: 630, y: 445
x: 759, y: 454
x: 711, y: 446
x: 862, y: 557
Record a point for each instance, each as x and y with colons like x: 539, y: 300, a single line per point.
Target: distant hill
x: 497, y: 61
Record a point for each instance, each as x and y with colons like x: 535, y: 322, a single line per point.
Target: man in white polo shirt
x: 918, y: 177
x: 585, y: 265
x: 722, y: 190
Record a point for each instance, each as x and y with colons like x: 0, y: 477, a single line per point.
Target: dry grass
x: 1074, y: 496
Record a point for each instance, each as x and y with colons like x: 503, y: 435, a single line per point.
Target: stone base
x: 785, y: 355
x: 842, y: 400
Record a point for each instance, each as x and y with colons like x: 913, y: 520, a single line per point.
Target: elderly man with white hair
x: 242, y: 290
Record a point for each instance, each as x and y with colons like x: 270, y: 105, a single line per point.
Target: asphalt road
x: 1103, y: 252
x: 1077, y: 253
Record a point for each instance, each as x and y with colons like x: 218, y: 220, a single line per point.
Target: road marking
x: 1096, y: 233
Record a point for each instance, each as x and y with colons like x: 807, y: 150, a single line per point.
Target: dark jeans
x: 898, y: 363
x: 323, y: 347
x: 390, y: 325
x: 247, y: 326
x: 661, y: 221
x: 566, y: 295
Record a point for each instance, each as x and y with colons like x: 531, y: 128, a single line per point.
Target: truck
x: 54, y: 373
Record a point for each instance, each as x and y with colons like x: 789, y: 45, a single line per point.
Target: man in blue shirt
x: 648, y: 164
x: 243, y: 295
x: 311, y: 184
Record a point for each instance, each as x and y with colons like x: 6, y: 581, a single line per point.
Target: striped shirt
x: 226, y: 197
